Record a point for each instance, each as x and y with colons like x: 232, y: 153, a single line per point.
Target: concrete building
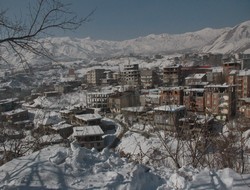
x: 131, y: 75
x: 244, y: 107
x: 244, y: 59
x: 15, y: 115
x: 8, y: 104
x: 98, y: 100
x: 109, y: 78
x: 243, y: 83
x: 168, y: 116
x: 215, y: 76
x: 87, y: 119
x: 196, y: 80
x: 149, y: 78
x: 172, y: 75
x: 194, y: 99
x: 186, y: 71
x: 135, y: 114
x: 89, y: 136
x: 228, y: 66
x: 123, y: 99
x: 150, y: 100
x: 220, y: 101
x: 95, y: 76
x: 171, y: 96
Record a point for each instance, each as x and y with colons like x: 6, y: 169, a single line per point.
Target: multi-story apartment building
x: 98, y: 100
x: 172, y: 75
x: 108, y: 78
x: 149, y: 78
x: 171, y: 96
x: 123, y: 99
x: 87, y: 119
x: 244, y: 107
x: 244, y: 60
x: 228, y: 66
x: 243, y: 83
x: 95, y: 76
x: 89, y: 136
x: 196, y: 80
x: 231, y: 79
x: 220, y: 101
x: 131, y: 75
x: 186, y: 71
x: 215, y: 76
x: 168, y: 116
x: 194, y: 99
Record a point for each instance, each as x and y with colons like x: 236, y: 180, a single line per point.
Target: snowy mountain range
x: 225, y: 40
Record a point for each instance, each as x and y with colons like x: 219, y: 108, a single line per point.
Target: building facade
x: 98, y: 100
x: 220, y: 101
x: 89, y: 136
x: 172, y: 75
x: 171, y: 96
x: 194, y: 99
x: 95, y: 76
x: 149, y: 78
x: 131, y: 75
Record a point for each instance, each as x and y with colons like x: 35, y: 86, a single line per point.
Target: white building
x: 89, y: 136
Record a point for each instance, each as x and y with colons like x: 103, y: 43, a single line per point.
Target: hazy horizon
x: 123, y: 20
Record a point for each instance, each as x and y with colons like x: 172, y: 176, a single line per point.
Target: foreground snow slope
x: 78, y: 168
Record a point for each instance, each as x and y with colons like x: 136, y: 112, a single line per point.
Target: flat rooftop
x: 87, y: 131
x: 89, y: 117
x: 170, y: 108
x: 16, y: 111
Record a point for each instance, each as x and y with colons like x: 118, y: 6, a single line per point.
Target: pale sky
x: 127, y: 19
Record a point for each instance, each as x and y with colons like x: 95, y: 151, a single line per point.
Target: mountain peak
x: 225, y: 40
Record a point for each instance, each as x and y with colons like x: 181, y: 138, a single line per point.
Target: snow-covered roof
x: 244, y: 72
x: 153, y: 96
x: 65, y: 111
x: 87, y: 130
x: 61, y: 125
x: 217, y: 86
x: 196, y: 76
x: 173, y: 66
x: 9, y: 100
x: 135, y: 109
x: 194, y: 89
x: 199, y: 75
x: 217, y: 69
x: 247, y: 100
x: 89, y: 117
x: 171, y: 88
x: 233, y: 72
x: 12, y: 112
x: 50, y: 120
x: 202, y: 119
x: 107, y: 92
x: 170, y: 108
x: 51, y: 138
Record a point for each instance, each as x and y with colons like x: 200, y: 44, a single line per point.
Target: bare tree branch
x: 44, y: 17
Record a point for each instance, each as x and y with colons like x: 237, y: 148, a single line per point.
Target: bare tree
x: 44, y: 17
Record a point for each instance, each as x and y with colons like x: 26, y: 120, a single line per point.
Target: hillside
x: 65, y: 49
x: 79, y: 168
x: 237, y: 39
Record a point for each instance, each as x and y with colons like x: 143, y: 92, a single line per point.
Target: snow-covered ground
x: 58, y: 167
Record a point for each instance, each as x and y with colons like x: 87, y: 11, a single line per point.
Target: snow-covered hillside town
x: 167, y: 111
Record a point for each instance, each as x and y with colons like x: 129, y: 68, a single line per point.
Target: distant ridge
x: 225, y: 40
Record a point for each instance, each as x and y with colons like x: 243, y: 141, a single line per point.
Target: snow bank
x: 79, y: 168
x: 76, y: 168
